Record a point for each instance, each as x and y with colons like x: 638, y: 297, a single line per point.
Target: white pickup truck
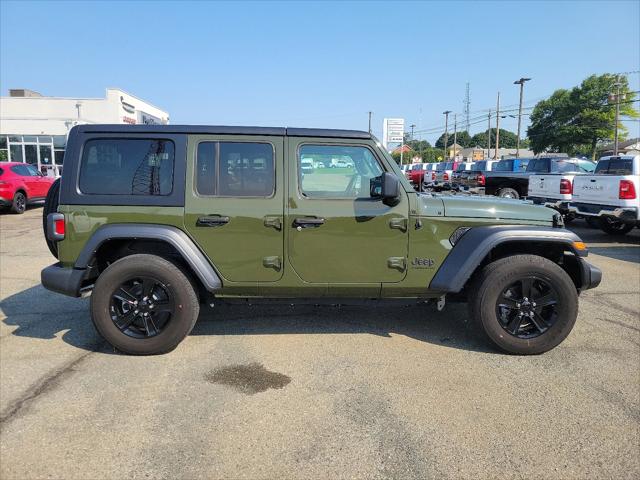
x: 555, y: 190
x: 610, y: 194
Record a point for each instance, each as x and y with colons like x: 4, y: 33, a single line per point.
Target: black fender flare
x: 191, y: 254
x: 474, y: 245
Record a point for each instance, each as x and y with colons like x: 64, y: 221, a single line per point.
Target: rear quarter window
x: 113, y: 166
x: 503, y: 166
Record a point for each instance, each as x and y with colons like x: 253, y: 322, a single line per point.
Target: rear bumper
x: 65, y: 280
x: 624, y: 214
x: 560, y: 205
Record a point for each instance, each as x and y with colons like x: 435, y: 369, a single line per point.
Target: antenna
x: 467, y: 102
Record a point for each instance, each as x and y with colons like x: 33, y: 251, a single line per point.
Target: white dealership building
x: 34, y: 128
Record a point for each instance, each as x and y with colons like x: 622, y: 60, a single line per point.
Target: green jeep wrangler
x: 155, y: 220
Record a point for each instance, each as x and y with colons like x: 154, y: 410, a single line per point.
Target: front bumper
x: 5, y: 203
x: 65, y: 280
x: 590, y: 274
x: 624, y: 214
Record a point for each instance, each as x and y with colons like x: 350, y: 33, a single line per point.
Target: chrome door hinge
x: 399, y: 263
x: 272, y: 262
x: 399, y: 223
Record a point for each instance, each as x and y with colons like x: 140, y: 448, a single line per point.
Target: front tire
x: 525, y: 304
x: 19, y: 204
x: 144, y: 305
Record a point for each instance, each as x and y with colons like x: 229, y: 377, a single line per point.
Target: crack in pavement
x: 41, y: 387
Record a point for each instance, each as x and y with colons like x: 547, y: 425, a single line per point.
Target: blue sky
x: 322, y: 64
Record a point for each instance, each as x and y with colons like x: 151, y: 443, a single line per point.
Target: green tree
x: 463, y: 139
x: 580, y: 119
x: 508, y: 139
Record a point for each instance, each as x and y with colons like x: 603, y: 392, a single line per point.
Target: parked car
x: 611, y: 194
x: 21, y: 184
x: 456, y: 176
x: 553, y: 191
x: 444, y: 175
x: 473, y: 180
x: 415, y: 174
x: 168, y: 229
x: 306, y: 165
x: 510, y: 178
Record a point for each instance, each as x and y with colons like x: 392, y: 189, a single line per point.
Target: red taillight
x: 433, y: 176
x: 58, y: 227
x: 566, y: 186
x: 481, y: 179
x: 627, y: 190
x: 445, y: 176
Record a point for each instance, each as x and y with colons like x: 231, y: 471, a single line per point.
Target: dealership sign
x: 392, y: 131
x: 146, y: 119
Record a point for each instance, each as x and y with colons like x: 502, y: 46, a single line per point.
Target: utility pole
x: 489, y: 135
x: 616, y: 97
x: 521, y: 83
x: 467, y: 102
x: 446, y: 131
x: 412, y: 127
x: 455, y: 135
x: 370, y: 122
x: 497, y: 127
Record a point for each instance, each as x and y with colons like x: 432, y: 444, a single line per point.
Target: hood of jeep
x: 494, y: 207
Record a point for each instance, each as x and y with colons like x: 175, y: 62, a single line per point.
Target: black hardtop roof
x: 225, y: 130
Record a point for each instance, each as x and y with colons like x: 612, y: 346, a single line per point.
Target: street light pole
x: 370, y: 122
x: 446, y: 131
x: 521, y: 83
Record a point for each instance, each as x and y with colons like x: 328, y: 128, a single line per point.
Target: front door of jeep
x: 234, y: 204
x: 337, y: 233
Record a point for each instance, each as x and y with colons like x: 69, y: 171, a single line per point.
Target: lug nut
x: 136, y: 311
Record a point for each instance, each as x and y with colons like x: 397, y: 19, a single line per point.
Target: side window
x: 116, y: 166
x: 33, y: 171
x: 339, y: 171
x: 235, y: 169
x: 21, y: 170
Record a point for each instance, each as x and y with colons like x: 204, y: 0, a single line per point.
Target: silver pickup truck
x: 610, y: 194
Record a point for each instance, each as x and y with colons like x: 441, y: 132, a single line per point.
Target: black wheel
x: 508, y: 193
x: 568, y: 218
x: 19, y: 204
x: 593, y: 222
x: 615, y: 227
x: 51, y: 206
x: 525, y: 304
x: 144, y: 305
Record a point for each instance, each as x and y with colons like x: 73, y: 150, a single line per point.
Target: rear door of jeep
x: 234, y: 201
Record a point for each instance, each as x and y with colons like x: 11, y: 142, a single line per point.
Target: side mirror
x: 385, y: 187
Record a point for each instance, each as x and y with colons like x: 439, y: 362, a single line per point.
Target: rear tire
x: 51, y: 206
x: 530, y: 328
x: 615, y: 227
x: 19, y: 204
x: 171, y: 293
x: 508, y: 193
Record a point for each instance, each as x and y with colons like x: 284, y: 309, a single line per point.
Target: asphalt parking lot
x: 316, y: 392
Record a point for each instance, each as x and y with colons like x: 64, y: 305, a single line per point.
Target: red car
x: 22, y: 184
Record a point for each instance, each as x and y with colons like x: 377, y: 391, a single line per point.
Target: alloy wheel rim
x: 141, y: 307
x: 21, y: 203
x: 528, y: 307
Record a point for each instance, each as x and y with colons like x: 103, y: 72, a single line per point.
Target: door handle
x: 212, y: 221
x: 308, y: 222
